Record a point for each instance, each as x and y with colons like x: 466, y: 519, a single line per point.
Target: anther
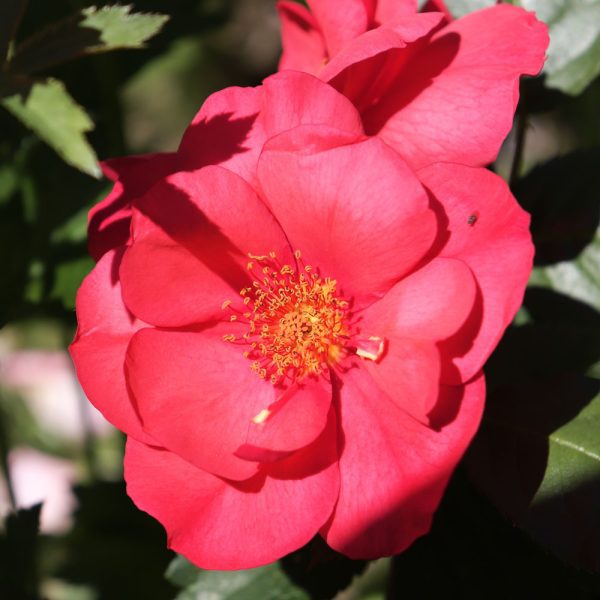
x: 296, y: 323
x: 261, y: 417
x: 371, y: 348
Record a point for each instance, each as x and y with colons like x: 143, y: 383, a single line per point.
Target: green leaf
x: 68, y: 278
x: 574, y: 51
x: 472, y: 553
x: 574, y: 454
x: 579, y: 278
x: 372, y: 584
x: 537, y: 456
x: 74, y: 230
x: 90, y: 31
x: 321, y: 571
x: 181, y: 572
x: 119, y: 28
x: 11, y: 13
x: 8, y: 182
x: 460, y: 8
x: 49, y: 111
x: 114, y: 548
x: 536, y: 453
x: 267, y: 583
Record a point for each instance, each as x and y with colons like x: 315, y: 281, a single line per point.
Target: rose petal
x: 409, y: 372
x: 192, y: 235
x: 426, y: 308
x: 291, y: 422
x: 432, y: 303
x: 303, y: 43
x: 227, y: 131
x: 455, y: 99
x: 98, y: 350
x: 490, y: 233
x: 109, y: 221
x: 382, y: 509
x: 198, y: 396
x: 339, y: 26
x: 218, y: 525
x: 366, y: 67
x: 291, y: 99
x: 390, y: 11
x: 323, y: 196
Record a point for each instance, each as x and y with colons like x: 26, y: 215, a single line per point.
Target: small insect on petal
x: 473, y: 218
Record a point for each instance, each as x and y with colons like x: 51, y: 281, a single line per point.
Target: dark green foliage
x: 472, y: 553
x: 117, y: 549
x: 18, y: 555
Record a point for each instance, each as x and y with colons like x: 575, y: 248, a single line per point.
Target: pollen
x: 297, y: 323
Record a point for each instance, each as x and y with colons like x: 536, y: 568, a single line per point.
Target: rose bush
x: 432, y: 92
x: 292, y: 333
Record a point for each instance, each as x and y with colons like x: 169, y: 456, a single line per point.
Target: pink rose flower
x: 292, y: 336
x: 434, y: 93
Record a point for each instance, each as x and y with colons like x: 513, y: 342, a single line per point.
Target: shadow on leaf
x: 535, y: 455
x: 562, y: 197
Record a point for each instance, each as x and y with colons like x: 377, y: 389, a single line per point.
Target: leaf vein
x: 573, y: 446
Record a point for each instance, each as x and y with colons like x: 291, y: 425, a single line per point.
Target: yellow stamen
x: 372, y: 348
x: 297, y: 325
x: 261, y: 417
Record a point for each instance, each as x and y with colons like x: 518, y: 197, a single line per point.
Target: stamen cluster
x: 297, y: 325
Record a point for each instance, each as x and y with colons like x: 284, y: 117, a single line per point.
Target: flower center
x: 297, y: 324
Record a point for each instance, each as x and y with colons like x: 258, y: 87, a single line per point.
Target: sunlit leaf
x: 460, y: 8
x: 266, y: 583
x: 121, y: 29
x: 49, y: 111
x: 574, y: 454
x: 90, y: 31
x: 574, y: 51
x: 68, y: 278
x: 579, y: 278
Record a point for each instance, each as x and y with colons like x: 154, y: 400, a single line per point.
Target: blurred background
x: 521, y: 515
